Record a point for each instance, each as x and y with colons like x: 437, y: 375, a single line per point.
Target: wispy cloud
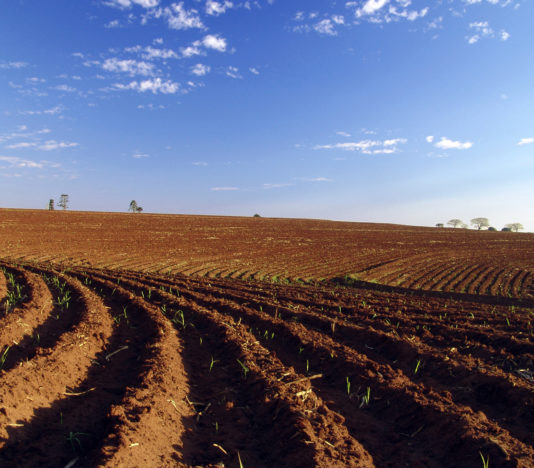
x: 139, y: 155
x: 233, y: 72
x: 217, y: 8
x: 210, y: 41
x: 483, y: 30
x: 526, y: 141
x: 46, y: 146
x: 132, y: 67
x: 52, y: 111
x: 12, y: 65
x: 157, y: 85
x: 447, y: 144
x: 130, y: 3
x: 224, y: 189
x: 314, y: 179
x: 151, y: 53
x: 200, y: 69
x: 274, y: 186
x: 177, y: 16
x: 367, y: 146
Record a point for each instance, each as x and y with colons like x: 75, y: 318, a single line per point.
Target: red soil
x: 107, y: 363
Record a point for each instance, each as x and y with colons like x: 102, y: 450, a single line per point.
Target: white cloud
x: 65, y: 88
x: 483, y: 30
x: 429, y: 139
x: 217, y: 8
x: 155, y: 86
x: 325, y: 27
x: 344, y: 134
x: 138, y: 155
x: 233, y: 72
x: 53, y: 145
x: 192, y: 50
x: 273, y: 186
x: 209, y: 41
x: 526, y: 141
x: 129, y: 3
x: 214, y: 42
x: 394, y: 141
x: 177, y: 16
x: 150, y: 53
x: 367, y: 146
x: 224, y: 189
x: 52, y: 111
x: 372, y: 6
x: 314, y: 179
x: 132, y: 67
x: 200, y: 163
x: 254, y: 71
x: 25, y: 163
x: 23, y: 144
x: 112, y: 24
x: 447, y: 144
x: 200, y: 70
x: 46, y: 146
x: 12, y: 65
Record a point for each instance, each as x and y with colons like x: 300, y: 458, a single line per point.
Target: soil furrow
x: 307, y: 422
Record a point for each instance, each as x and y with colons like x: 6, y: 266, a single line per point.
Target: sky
x: 398, y: 111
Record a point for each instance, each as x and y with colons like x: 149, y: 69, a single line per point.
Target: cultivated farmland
x: 158, y: 340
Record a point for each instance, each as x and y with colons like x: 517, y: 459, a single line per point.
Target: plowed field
x: 133, y: 360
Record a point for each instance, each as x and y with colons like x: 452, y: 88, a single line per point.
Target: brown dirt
x: 105, y: 365
x: 274, y: 249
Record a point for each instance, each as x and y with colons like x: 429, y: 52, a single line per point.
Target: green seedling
x: 4, y: 356
x: 149, y: 293
x: 485, y: 460
x: 74, y: 439
x: 179, y: 318
x: 307, y: 365
x: 240, y: 462
x: 417, y: 366
x: 124, y: 313
x: 245, y: 368
x: 348, y: 385
x: 200, y: 341
x: 164, y: 309
x: 216, y: 427
x: 366, y: 398
x: 212, y: 363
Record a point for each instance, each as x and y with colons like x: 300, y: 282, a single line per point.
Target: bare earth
x: 163, y: 340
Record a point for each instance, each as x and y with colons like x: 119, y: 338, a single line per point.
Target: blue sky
x: 402, y: 111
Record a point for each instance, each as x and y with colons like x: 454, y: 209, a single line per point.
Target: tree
x: 480, y: 223
x: 455, y: 223
x: 51, y: 204
x: 63, y: 201
x: 139, y: 209
x: 439, y: 225
x: 514, y: 227
x: 133, y: 206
